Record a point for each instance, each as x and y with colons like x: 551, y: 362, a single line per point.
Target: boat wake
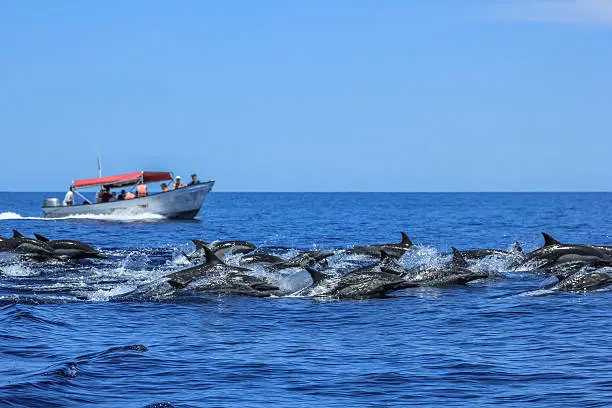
x: 117, y: 216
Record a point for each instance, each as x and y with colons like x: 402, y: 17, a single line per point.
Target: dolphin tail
x: 405, y: 240
x: 316, y: 276
x: 17, y: 234
x: 548, y: 240
x: 41, y: 238
x: 458, y: 258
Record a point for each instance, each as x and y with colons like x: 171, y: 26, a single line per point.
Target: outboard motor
x: 51, y: 202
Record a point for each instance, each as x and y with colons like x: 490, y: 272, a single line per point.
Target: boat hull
x: 183, y: 203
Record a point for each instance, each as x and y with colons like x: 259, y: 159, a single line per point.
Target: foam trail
x: 122, y: 216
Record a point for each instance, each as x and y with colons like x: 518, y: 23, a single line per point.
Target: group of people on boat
x: 105, y: 195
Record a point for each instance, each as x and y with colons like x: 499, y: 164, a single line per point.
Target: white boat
x: 182, y: 203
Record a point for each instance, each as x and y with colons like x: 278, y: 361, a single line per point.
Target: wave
x: 122, y: 216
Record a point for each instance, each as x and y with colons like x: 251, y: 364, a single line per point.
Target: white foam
x: 16, y: 270
x: 121, y: 215
x: 9, y: 215
x: 102, y: 295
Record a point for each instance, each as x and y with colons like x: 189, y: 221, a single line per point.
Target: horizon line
x: 365, y: 192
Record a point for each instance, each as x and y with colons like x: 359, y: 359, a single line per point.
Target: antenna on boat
x: 99, y: 166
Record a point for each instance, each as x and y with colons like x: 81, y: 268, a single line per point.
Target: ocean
x: 506, y: 340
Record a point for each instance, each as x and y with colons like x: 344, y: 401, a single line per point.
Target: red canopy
x: 124, y: 179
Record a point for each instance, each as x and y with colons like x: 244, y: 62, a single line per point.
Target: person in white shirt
x: 69, y: 198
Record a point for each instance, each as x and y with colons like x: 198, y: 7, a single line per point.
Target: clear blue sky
x: 309, y: 95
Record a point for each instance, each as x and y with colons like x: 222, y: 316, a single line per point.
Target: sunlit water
x: 506, y: 340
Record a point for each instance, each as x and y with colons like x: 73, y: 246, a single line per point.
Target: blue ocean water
x: 493, y: 342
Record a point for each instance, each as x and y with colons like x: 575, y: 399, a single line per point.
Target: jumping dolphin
x: 28, y: 247
x: 395, y: 250
x: 72, y: 249
x: 477, y: 254
x: 310, y: 259
x: 603, y: 248
x: 357, y: 284
x: 260, y: 259
x: 218, y: 277
x: 223, y: 247
x: 553, y: 254
x: 168, y: 285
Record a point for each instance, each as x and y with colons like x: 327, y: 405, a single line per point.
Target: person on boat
x: 194, y: 180
x: 178, y: 183
x: 141, y: 191
x: 99, y: 195
x: 106, y: 196
x: 114, y: 196
x: 129, y: 195
x: 164, y: 187
x: 69, y: 198
x: 121, y: 196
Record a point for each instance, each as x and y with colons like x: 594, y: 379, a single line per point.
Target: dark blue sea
x: 502, y: 341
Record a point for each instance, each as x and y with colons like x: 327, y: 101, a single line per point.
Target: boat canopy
x: 122, y: 180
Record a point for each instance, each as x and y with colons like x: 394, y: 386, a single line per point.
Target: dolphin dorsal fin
x: 41, y: 238
x: 458, y: 258
x: 199, y: 244
x: 17, y: 234
x: 406, y: 240
x: 384, y: 255
x: 548, y: 240
x: 316, y: 276
x: 211, y: 258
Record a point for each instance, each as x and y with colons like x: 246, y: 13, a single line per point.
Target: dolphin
x: 477, y: 254
x: 168, y: 285
x: 182, y: 278
x: 233, y: 284
x: 260, y: 259
x: 218, y: 277
x: 603, y: 248
x: 71, y: 249
x: 395, y: 250
x: 581, y: 282
x: 309, y: 258
x: 358, y: 284
x: 456, y: 272
x: 28, y: 247
x: 554, y: 254
x: 223, y: 247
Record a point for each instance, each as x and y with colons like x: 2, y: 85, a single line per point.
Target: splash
x: 17, y: 270
x: 120, y: 216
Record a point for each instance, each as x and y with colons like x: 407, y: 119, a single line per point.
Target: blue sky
x: 310, y: 95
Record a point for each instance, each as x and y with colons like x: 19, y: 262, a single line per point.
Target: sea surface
x: 503, y: 341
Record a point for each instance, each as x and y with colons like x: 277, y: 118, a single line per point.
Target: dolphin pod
x: 377, y: 279
x: 257, y: 273
x: 42, y: 248
x: 387, y: 274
